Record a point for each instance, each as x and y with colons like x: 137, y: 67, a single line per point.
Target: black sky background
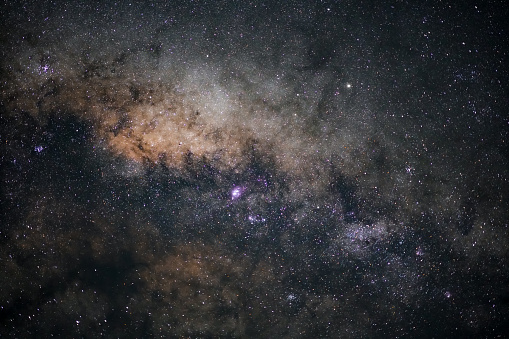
x: 254, y: 169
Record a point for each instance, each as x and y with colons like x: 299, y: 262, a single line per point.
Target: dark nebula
x: 292, y: 169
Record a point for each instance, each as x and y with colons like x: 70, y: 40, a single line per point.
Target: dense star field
x: 282, y: 169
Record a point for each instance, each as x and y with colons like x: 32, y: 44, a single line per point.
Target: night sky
x: 249, y: 169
